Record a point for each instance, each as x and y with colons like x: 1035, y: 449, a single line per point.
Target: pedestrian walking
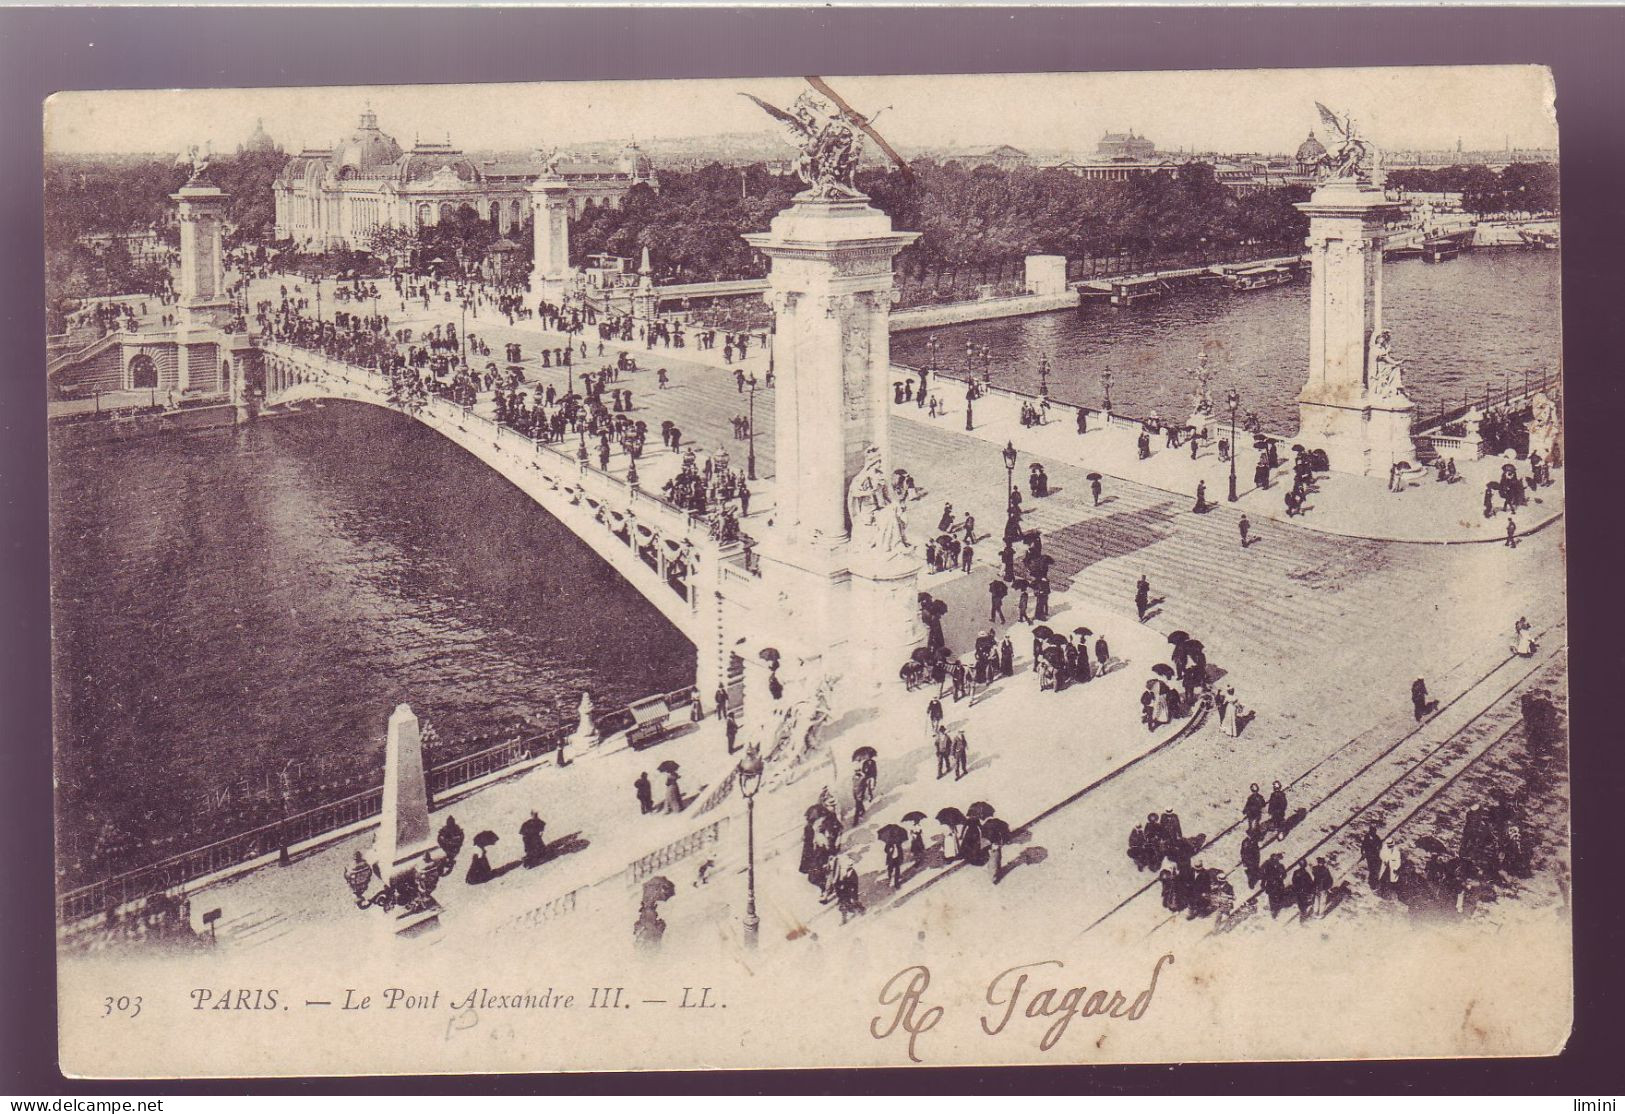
x: 894, y: 864
x: 1201, y: 497
x: 1094, y: 489
x: 1244, y: 526
x: 1303, y: 890
x: 674, y: 793
x: 1512, y: 533
x: 645, y: 792
x: 1371, y: 852
x: 961, y: 756
x: 721, y: 699
x: 846, y: 893
x: 997, y: 590
x: 1277, y: 810
x: 1253, y: 810
x: 933, y: 711
x: 1420, y: 704
x: 732, y: 729
x: 1142, y: 596
x: 530, y: 836
x: 1273, y: 876
x: 1021, y: 606
x: 1250, y: 857
x: 1322, y: 875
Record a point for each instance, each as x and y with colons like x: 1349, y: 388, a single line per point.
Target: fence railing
x: 675, y: 851
x: 98, y: 898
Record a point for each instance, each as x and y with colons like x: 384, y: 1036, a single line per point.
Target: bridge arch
x: 657, y: 549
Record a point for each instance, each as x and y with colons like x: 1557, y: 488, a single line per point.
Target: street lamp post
x: 987, y: 365
x: 750, y: 780
x: 750, y: 433
x: 1232, y: 400
x: 1106, y: 382
x: 1043, y: 376
x: 1009, y: 470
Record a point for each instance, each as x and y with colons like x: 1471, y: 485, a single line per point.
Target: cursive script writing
x: 1015, y: 991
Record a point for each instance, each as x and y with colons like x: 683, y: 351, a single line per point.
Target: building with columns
x: 338, y: 197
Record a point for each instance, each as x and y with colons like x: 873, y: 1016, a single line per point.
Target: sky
x: 1485, y: 107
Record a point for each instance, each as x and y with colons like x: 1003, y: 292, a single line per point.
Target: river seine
x: 1456, y: 326
x: 228, y: 604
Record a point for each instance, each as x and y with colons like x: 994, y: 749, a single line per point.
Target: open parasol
x: 950, y: 815
x: 667, y: 767
x: 1043, y: 632
x: 814, y: 811
x: 1082, y: 632
x: 995, y: 831
x: 1162, y: 670
x: 485, y: 838
x: 1093, y: 476
x: 980, y: 811
x: 1177, y: 637
x: 1194, y: 647
x: 913, y: 817
x: 863, y: 754
x: 1019, y: 585
x: 892, y: 833
x: 658, y: 888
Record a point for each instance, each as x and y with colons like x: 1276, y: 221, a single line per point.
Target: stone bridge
x: 667, y: 554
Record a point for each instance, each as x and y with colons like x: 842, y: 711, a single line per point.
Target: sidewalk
x: 1029, y: 752
x: 1347, y: 505
x: 594, y: 831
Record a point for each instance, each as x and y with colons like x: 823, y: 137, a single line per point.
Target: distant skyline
x: 1431, y: 108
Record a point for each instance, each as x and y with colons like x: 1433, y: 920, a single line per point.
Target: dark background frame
x: 46, y: 50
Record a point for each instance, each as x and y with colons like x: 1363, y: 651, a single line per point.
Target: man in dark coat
x: 1153, y: 841
x: 1277, y: 808
x: 1171, y: 830
x: 1303, y: 890
x: 1250, y: 857
x: 996, y: 590
x: 933, y: 711
x: 721, y: 699
x: 1274, y: 880
x: 450, y: 837
x: 1322, y: 875
x: 1007, y: 658
x: 1142, y: 596
x: 731, y: 727
x: 645, y: 792
x: 1253, y: 810
x: 1371, y: 852
x: 1420, y: 704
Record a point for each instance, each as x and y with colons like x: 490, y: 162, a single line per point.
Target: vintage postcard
x: 813, y: 571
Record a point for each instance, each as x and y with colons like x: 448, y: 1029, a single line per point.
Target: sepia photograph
x: 809, y: 571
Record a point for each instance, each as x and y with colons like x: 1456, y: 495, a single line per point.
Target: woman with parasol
x: 916, y: 838
x: 479, y: 866
x: 950, y: 818
x: 674, y: 792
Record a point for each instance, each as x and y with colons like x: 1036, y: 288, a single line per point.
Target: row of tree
x: 981, y: 219
x: 1520, y: 187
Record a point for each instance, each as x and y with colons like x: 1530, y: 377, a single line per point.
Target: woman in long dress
x: 950, y: 842
x: 674, y: 794
x: 1230, y: 712
x: 1160, y: 713
x: 1522, y: 644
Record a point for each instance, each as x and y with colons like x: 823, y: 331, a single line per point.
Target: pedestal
x: 550, y: 237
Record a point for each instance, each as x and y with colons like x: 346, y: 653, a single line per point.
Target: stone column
x: 204, y: 306
x: 550, y: 210
x: 403, y: 828
x: 1364, y: 427
x: 830, y: 287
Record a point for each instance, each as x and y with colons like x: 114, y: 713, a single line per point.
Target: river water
x: 228, y: 604
x: 1456, y: 325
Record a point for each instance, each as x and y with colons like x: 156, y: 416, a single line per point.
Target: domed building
x: 337, y: 197
x: 1310, y: 152
x: 260, y: 142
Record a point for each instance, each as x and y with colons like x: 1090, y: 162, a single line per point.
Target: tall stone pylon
x: 403, y: 828
x: 843, y: 576
x: 1353, y: 405
x: 550, y: 235
x: 204, y: 306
